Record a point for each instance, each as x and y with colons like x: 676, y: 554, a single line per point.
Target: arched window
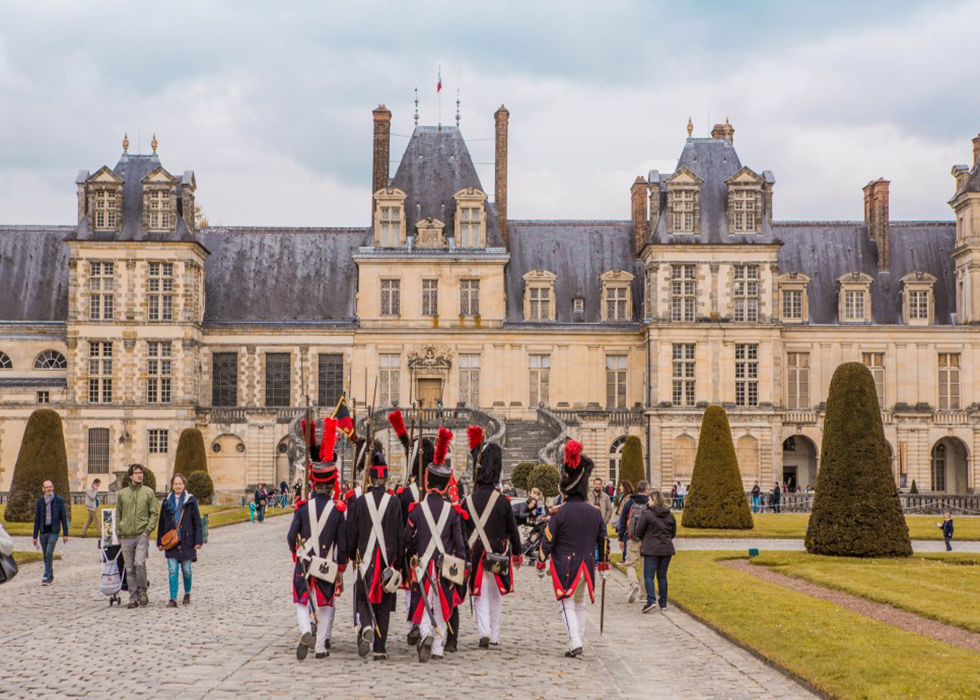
x: 939, y: 467
x: 685, y: 450
x: 50, y: 359
x: 5, y: 362
x: 615, y: 458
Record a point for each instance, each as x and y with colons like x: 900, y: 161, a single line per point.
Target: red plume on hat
x: 329, y: 440
x: 442, y: 445
x: 474, y: 436
x: 397, y: 422
x: 573, y: 453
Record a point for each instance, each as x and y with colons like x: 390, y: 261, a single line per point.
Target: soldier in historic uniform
x: 493, y: 539
x: 375, y: 531
x: 573, y: 536
x: 434, y: 536
x: 317, y: 541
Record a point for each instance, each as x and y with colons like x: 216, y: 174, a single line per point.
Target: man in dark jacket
x: 49, y: 517
x: 776, y: 494
x: 656, y: 529
x: 947, y: 527
x: 261, y: 501
x: 631, y: 546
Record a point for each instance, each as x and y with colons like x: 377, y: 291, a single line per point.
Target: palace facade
x: 134, y: 322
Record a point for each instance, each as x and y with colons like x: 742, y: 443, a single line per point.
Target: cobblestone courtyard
x: 239, y: 637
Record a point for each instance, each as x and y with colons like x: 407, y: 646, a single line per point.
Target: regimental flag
x: 345, y: 423
x: 439, y: 85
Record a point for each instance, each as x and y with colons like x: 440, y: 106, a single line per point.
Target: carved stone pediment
x: 430, y: 233
x: 430, y: 358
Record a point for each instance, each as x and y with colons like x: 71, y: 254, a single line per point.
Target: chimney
x: 976, y: 150
x: 501, y: 117
x: 638, y: 207
x: 382, y: 151
x: 718, y: 131
x: 876, y: 217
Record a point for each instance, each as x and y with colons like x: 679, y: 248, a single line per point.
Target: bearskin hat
x: 491, y: 463
x: 428, y: 454
x: 575, y: 471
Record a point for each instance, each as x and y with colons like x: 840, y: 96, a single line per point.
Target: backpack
x: 111, y: 582
x: 636, y: 512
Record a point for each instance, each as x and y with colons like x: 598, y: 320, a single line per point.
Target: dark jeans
x: 260, y: 512
x: 949, y: 547
x: 775, y: 505
x: 656, y: 567
x: 48, y: 540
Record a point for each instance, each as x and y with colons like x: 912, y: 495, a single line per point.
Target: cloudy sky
x: 270, y: 103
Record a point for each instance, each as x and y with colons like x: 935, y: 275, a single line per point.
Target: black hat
x: 437, y: 477
x: 379, y: 467
x: 428, y: 454
x: 491, y: 463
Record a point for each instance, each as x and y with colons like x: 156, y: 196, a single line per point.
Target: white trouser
x: 488, y: 606
x: 632, y: 557
x: 573, y: 613
x: 408, y: 606
x: 324, y: 623
x: 426, y: 625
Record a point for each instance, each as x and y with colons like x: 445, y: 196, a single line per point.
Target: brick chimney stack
x: 718, y: 131
x: 382, y: 151
x: 638, y: 208
x: 876, y: 217
x: 501, y: 118
x: 976, y: 149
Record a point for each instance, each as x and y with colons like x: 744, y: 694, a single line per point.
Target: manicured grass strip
x: 30, y: 557
x: 839, y: 652
x: 231, y: 516
x: 926, y: 587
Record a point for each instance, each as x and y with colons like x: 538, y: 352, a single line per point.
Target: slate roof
x: 714, y: 161
x: 827, y: 250
x: 578, y: 252
x: 272, y: 275
x: 436, y: 165
x: 132, y: 169
x: 33, y: 273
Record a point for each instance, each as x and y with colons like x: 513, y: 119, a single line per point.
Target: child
x: 251, y: 512
x: 947, y: 527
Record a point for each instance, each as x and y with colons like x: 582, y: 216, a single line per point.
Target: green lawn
x: 944, y: 589
x: 29, y: 557
x: 840, y: 652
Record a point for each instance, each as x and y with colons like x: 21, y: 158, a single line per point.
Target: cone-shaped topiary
x: 856, y: 509
x: 544, y: 477
x: 199, y: 483
x: 190, y: 453
x: 716, y: 497
x: 914, y: 489
x: 42, y: 457
x: 149, y: 479
x: 520, y: 474
x: 631, y: 465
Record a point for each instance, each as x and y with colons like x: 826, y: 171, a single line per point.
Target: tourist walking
x: 180, y: 514
x: 775, y: 497
x: 947, y: 527
x: 49, y: 517
x: 681, y: 495
x: 261, y: 501
x: 623, y: 492
x: 656, y: 529
x: 627, y: 541
x: 136, y: 514
x: 600, y: 499
x: 756, y: 493
x: 92, y: 506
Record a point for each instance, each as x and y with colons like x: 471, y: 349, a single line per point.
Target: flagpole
x: 439, y: 91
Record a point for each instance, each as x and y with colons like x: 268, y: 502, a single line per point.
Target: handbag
x: 498, y: 564
x: 451, y: 568
x: 171, y: 538
x: 8, y: 567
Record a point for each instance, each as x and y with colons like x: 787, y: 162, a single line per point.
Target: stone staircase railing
x: 550, y: 453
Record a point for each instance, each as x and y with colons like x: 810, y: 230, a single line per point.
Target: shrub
x: 914, y: 489
x: 191, y: 456
x: 856, y: 509
x: 520, y: 474
x: 199, y: 483
x: 41, y: 457
x: 716, y: 497
x: 632, y: 468
x: 149, y: 479
x: 545, y: 478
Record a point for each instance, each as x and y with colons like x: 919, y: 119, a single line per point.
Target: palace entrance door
x: 429, y: 392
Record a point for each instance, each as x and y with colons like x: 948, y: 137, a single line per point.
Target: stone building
x: 134, y: 323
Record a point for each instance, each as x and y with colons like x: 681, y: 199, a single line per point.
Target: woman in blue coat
x: 180, y: 512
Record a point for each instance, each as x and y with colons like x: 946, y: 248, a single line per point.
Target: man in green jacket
x: 136, y: 516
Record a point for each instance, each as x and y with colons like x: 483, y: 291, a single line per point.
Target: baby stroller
x: 113, y: 573
x: 532, y: 541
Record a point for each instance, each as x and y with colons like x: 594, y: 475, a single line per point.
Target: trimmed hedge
x: 716, y: 498
x: 545, y: 478
x: 149, y: 479
x: 199, y: 483
x: 42, y: 457
x: 631, y: 465
x: 190, y: 456
x: 520, y: 475
x: 914, y: 489
x: 856, y: 510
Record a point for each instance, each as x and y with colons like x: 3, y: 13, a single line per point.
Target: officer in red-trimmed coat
x: 571, y: 539
x: 488, y: 508
x: 318, y: 529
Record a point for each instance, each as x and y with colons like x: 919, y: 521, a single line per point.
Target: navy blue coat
x: 573, y: 536
x: 59, y: 518
x: 334, y: 534
x: 191, y: 533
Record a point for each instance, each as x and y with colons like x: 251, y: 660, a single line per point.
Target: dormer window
x: 539, y: 295
x: 683, y: 202
x: 744, y: 208
x: 854, y: 301
x: 391, y: 223
x: 106, y: 210
x: 745, y: 202
x: 100, y: 199
x: 470, y: 218
x: 159, y: 202
x: 793, y: 301
x: 389, y: 218
x: 578, y: 309
x: 917, y: 301
x: 617, y: 299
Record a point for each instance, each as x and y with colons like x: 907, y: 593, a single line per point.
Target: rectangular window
x: 106, y: 210
x: 875, y: 361
x: 469, y: 297
x: 158, y: 372
x: 330, y: 379
x: 798, y: 379
x: 540, y: 380
x: 747, y: 375
x: 469, y: 227
x: 919, y: 305
x: 793, y: 304
x: 98, y: 451
x: 224, y: 379
x: 101, y: 287
x: 100, y: 372
x: 683, y: 299
x: 469, y: 380
x: 684, y: 210
x: 949, y: 381
x: 539, y: 304
x: 391, y: 297
x: 391, y: 227
x: 683, y: 374
x: 616, y: 381
x: 389, y: 379
x: 160, y: 288
x: 616, y: 309
x: 158, y: 442
x: 854, y: 305
x: 745, y: 293
x: 44, y: 397
x: 277, y: 378
x: 430, y: 297
x: 159, y: 202
x: 578, y: 309
x: 744, y: 215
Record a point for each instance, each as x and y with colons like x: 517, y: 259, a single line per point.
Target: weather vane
x: 416, y: 106
x: 457, y: 108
